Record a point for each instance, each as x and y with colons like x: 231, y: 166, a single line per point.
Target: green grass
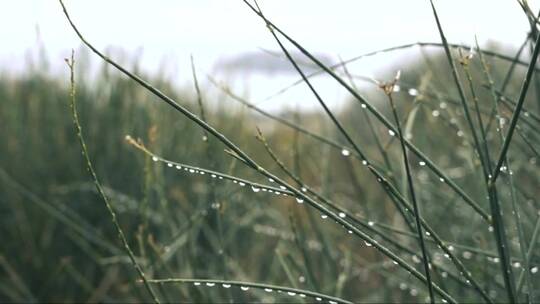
x: 220, y: 205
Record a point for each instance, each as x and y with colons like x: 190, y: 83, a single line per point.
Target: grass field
x: 423, y: 188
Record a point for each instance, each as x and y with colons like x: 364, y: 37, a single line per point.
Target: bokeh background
x: 57, y: 240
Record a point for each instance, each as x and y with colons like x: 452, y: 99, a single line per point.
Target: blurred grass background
x: 58, y: 243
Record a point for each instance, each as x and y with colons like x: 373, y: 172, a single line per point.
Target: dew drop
x: 155, y: 158
x: 364, y: 106
x: 210, y: 284
x: 271, y: 180
x: 349, y: 231
x: 516, y: 264
x: 178, y: 167
x: 397, y: 88
x: 242, y: 184
x: 283, y: 187
x: 299, y: 200
x: 302, y: 295
x: 169, y: 165
x: 467, y: 255
x: 534, y: 269
x: 345, y: 152
x: 244, y: 288
x: 371, y: 223
x: 413, y: 92
x: 332, y: 302
x: 318, y: 299
x: 213, y: 176
x: 268, y: 290
x: 435, y: 113
x: 303, y: 189
x: 291, y: 293
x: 364, y: 162
x: 226, y: 285
x: 402, y: 286
x: 441, y: 179
x: 342, y: 215
x: 191, y: 171
x: 255, y: 189
x: 323, y: 216
x: 368, y: 244
x: 392, y: 133
x: 422, y: 163
x: 196, y: 283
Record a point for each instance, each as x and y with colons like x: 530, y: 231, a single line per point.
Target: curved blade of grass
x: 264, y: 287
x: 515, y: 61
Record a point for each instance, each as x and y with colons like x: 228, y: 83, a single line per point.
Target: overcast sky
x: 214, y: 30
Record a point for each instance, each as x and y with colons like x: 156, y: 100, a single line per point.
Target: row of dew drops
x: 254, y: 187
x: 266, y: 289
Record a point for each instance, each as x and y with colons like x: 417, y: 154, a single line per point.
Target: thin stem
x: 90, y: 168
x: 388, y: 90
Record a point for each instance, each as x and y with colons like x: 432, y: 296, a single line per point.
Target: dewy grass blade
x: 245, y: 286
x: 498, y: 224
x: 388, y: 89
x: 515, y: 207
x: 517, y: 111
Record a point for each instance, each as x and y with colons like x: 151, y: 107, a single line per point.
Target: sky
x: 163, y: 34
